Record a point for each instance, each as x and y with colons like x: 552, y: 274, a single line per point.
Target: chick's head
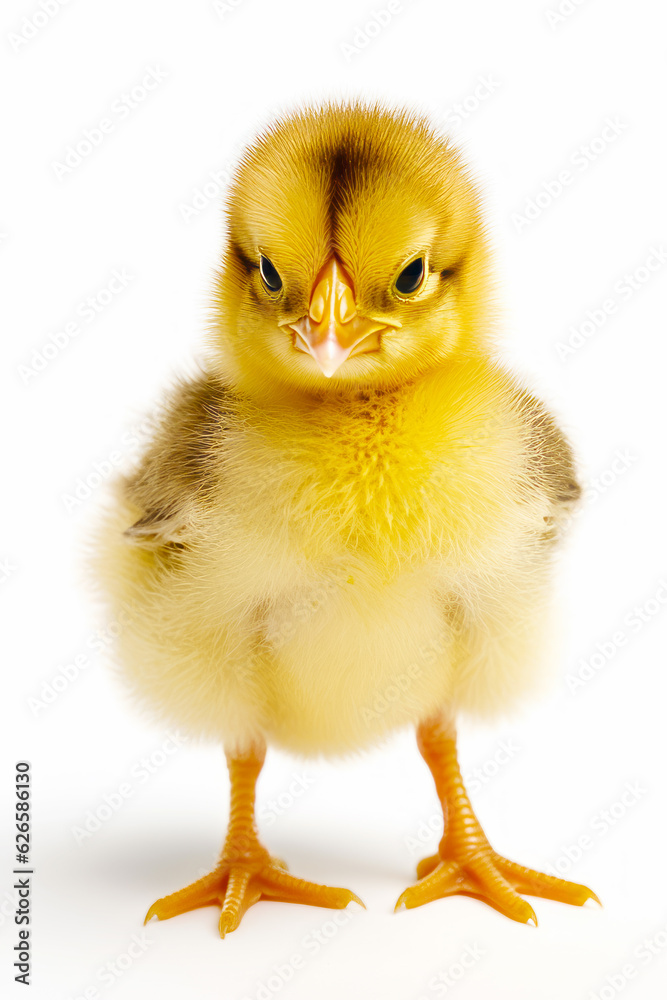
x: 355, y: 254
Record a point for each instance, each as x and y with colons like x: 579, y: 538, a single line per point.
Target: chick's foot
x: 235, y: 884
x: 246, y: 871
x: 488, y: 876
x: 466, y: 864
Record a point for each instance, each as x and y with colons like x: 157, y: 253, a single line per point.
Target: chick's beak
x: 333, y: 331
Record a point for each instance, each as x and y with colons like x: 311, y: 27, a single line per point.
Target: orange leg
x: 246, y: 871
x: 466, y: 864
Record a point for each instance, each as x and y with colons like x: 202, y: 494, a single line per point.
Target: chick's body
x: 339, y: 569
x: 343, y: 525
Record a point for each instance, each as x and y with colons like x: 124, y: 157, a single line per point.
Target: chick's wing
x: 550, y: 463
x: 175, y: 474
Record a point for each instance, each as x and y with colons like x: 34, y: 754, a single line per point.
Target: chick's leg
x: 246, y: 871
x: 466, y: 864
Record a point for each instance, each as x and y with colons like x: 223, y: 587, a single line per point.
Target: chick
x: 344, y: 523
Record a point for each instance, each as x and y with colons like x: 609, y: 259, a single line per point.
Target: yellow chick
x: 344, y: 524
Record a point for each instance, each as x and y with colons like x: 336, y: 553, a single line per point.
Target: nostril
x: 316, y: 310
x: 347, y: 308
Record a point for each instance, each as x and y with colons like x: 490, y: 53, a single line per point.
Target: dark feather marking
x: 550, y: 463
x: 177, y: 468
x: 346, y: 163
x: 238, y: 252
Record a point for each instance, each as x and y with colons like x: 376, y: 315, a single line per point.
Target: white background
x: 550, y: 87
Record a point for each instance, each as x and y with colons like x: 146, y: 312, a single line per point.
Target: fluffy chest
x: 399, y: 479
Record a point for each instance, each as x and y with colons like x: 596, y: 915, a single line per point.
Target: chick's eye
x: 410, y: 277
x: 270, y: 277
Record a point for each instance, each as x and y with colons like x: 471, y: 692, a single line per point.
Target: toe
x: 205, y: 892
x: 445, y: 880
x: 495, y: 890
x: 278, y: 884
x: 241, y: 895
x: 534, y: 883
x: 233, y: 907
